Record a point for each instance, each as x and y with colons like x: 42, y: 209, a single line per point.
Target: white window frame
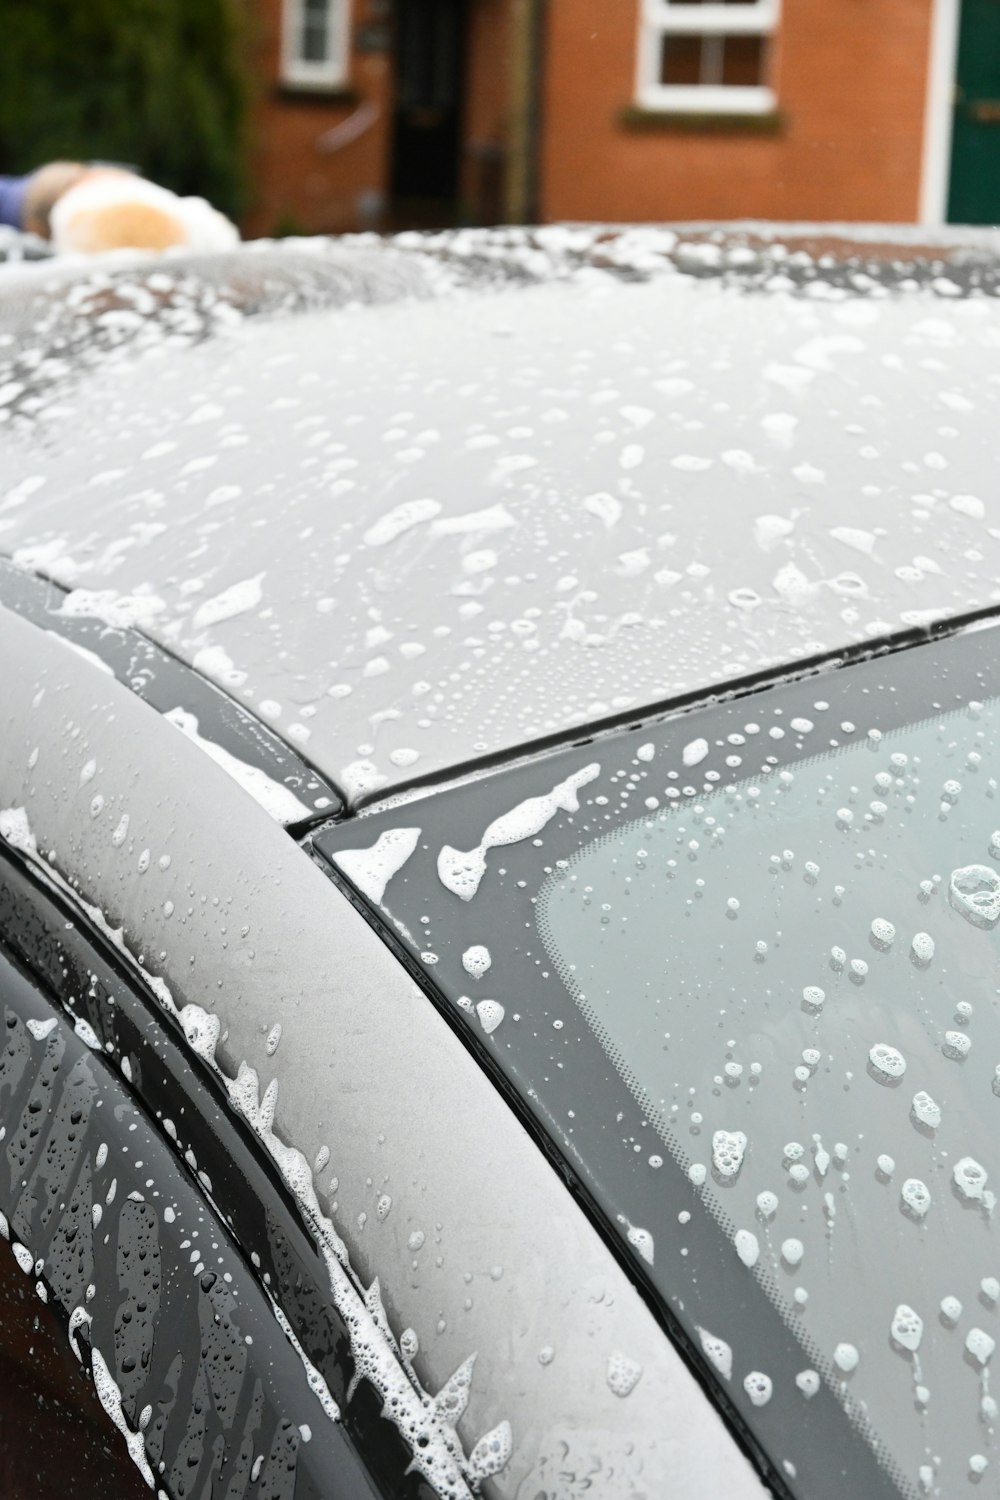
x: 332, y: 71
x: 660, y: 18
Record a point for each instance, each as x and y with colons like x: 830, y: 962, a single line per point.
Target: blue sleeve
x: 12, y: 195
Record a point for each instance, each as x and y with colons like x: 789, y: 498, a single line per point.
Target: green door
x: 974, y: 187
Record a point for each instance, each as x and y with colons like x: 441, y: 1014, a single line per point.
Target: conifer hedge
x: 159, y: 84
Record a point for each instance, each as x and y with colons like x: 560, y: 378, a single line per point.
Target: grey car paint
x: 412, y: 536
x: 242, y: 923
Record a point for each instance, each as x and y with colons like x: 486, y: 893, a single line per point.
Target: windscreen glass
x: 774, y: 926
x: 812, y: 1032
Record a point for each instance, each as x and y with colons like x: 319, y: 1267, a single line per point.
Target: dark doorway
x: 974, y: 197
x: 430, y: 46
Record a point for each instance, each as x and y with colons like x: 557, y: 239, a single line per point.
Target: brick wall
x: 294, y: 181
x: 850, y: 77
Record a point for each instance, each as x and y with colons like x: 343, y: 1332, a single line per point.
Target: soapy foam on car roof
x: 371, y: 869
x: 273, y: 797
x: 461, y: 872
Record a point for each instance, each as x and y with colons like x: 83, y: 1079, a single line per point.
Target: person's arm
x: 42, y: 190
x: 13, y: 191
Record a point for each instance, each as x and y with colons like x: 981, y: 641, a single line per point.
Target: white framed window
x: 314, y: 43
x: 706, y: 56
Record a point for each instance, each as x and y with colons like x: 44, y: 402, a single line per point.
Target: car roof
x: 415, y: 535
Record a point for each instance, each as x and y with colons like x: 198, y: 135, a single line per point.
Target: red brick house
x: 383, y: 113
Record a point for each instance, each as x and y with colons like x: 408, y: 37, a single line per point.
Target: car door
x: 128, y: 1301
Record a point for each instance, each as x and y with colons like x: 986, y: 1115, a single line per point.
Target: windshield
x: 812, y: 1032
x: 774, y: 929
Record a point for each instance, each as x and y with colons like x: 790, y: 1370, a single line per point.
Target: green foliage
x: 160, y: 84
x: 287, y: 224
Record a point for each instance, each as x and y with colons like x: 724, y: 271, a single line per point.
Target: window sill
x: 709, y: 122
x: 316, y: 93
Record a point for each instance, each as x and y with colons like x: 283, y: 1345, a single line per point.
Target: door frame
x: 942, y: 59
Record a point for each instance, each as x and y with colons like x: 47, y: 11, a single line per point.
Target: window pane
x: 743, y: 60
x: 711, y: 59
x: 51, y: 1423
x: 680, y: 61
x: 315, y: 45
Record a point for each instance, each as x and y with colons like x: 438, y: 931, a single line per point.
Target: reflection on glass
x: 797, y: 977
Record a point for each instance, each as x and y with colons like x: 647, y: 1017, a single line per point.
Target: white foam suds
x: 317, y: 1384
x: 969, y: 1177
x: 922, y: 947
x: 461, y: 872
x: 237, y: 599
x: 490, y: 1013
x: 41, y: 1029
x: 402, y: 518
x: 623, y: 1374
x: 717, y: 1352
x: 974, y: 890
x: 110, y: 1398
x: 87, y: 1034
x: 77, y: 1318
x: 980, y: 1345
x: 728, y: 1148
x: 492, y: 518
x: 889, y: 1064
x: 16, y: 830
x: 926, y: 1111
x: 640, y: 1239
x: 84, y: 652
x: 956, y: 1044
x: 758, y: 1387
x: 492, y: 1451
x: 694, y: 752
x: 915, y: 1196
x: 907, y: 1328
x: 747, y: 1247
x: 272, y: 796
x: 476, y: 960
x: 371, y: 869
x: 121, y: 611
x: 215, y: 662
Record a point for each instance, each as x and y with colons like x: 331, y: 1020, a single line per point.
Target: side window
x: 146, y: 1344
x: 315, y: 43
x: 711, y: 56
x: 55, y: 1438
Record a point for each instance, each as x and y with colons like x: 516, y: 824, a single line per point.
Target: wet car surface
x: 473, y: 560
